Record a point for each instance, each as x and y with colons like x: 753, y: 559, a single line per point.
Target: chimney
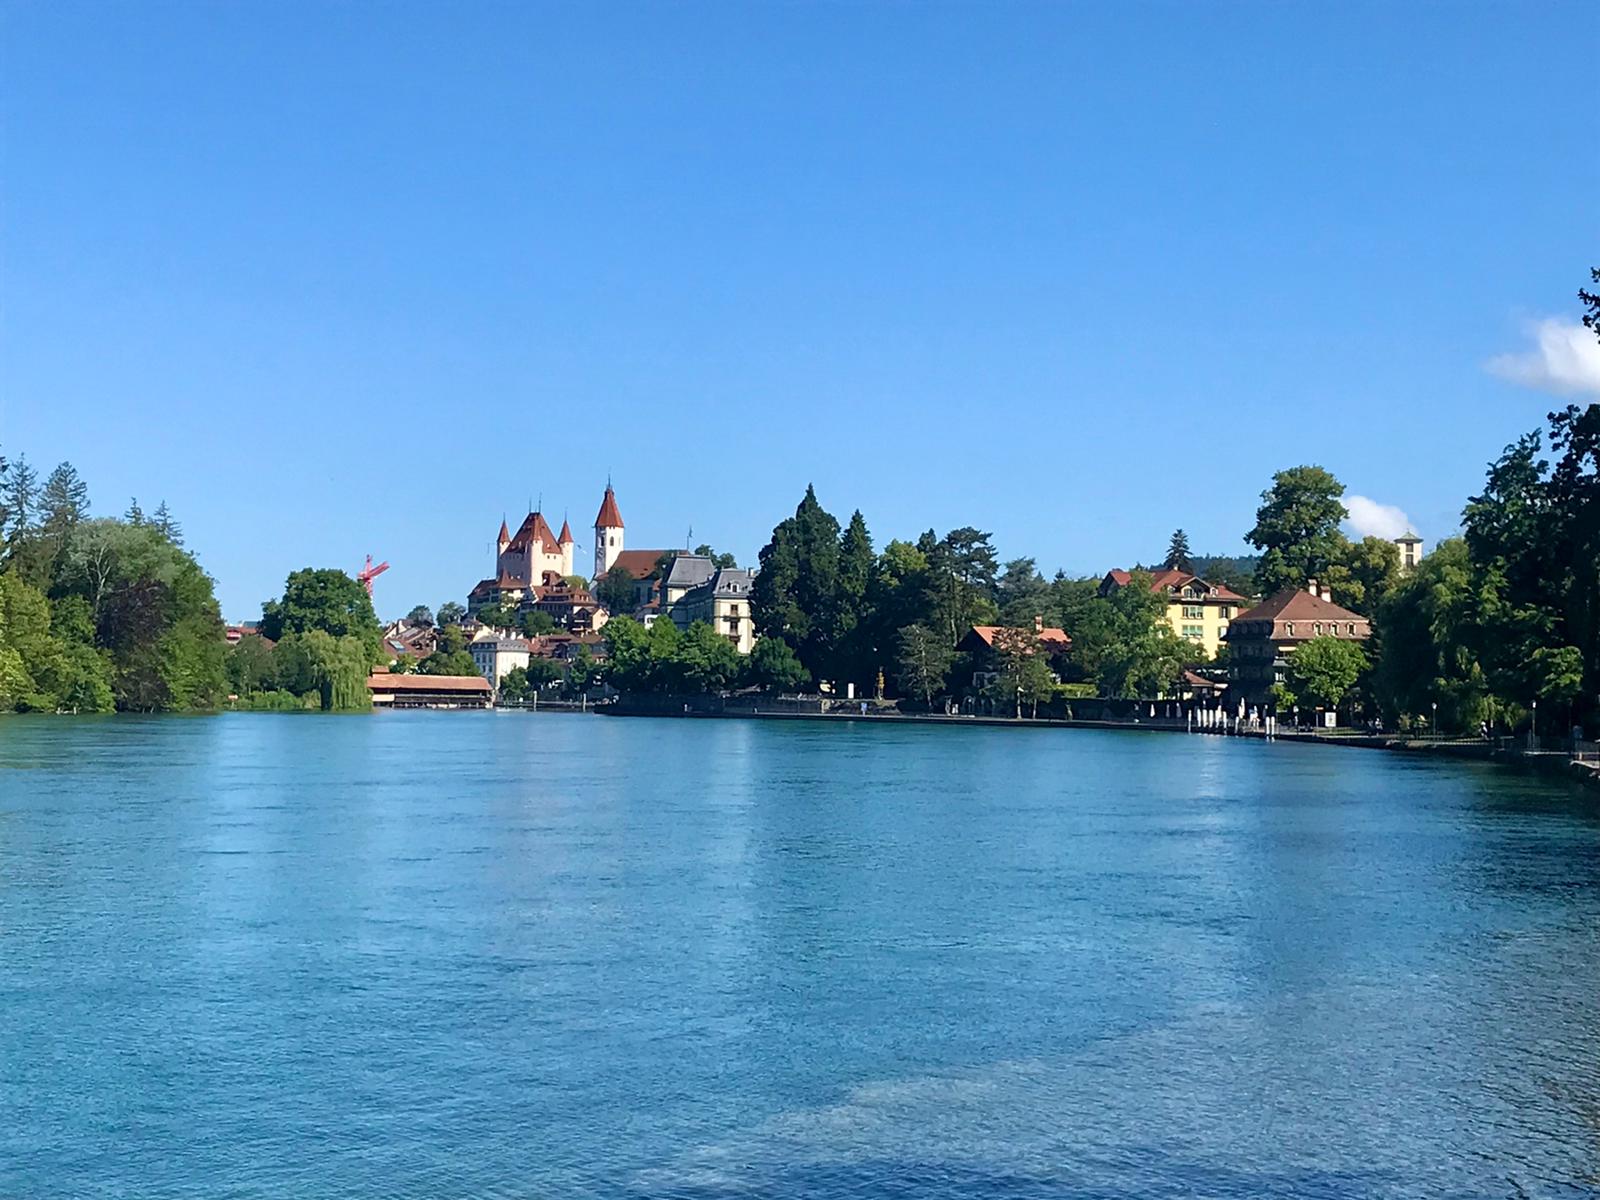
x: 1311, y: 586
x: 1327, y: 593
x: 1038, y: 623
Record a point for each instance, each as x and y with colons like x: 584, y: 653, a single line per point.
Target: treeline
x: 317, y: 644
x: 100, y: 614
x: 889, y: 622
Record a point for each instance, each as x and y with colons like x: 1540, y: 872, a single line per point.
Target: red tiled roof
x: 638, y: 563
x: 383, y: 681
x: 535, y: 528
x: 1170, y: 578
x: 505, y: 534
x: 610, y: 517
x: 566, y: 532
x: 1056, y: 639
x: 1291, y: 605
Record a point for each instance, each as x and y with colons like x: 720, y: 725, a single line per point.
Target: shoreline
x: 1548, y: 763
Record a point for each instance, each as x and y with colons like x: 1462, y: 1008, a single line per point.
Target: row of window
x: 1197, y: 612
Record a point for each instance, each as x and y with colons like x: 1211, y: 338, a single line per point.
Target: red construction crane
x: 369, y: 572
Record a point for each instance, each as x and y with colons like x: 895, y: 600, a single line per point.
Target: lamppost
x: 1433, y: 722
x: 1536, y: 723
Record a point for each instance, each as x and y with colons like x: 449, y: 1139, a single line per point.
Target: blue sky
x: 334, y: 279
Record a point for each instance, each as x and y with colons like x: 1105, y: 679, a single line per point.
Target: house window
x: 1195, y: 633
x: 1289, y: 628
x: 1225, y: 611
x: 1193, y: 612
x: 1317, y: 629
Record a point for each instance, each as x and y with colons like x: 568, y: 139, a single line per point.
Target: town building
x: 1196, y: 610
x: 1410, y: 547
x: 1261, y: 640
x: 429, y: 691
x: 722, y: 601
x: 533, y: 551
x: 568, y: 603
x: 982, y: 642
x: 495, y: 654
x: 610, y: 551
x: 402, y: 639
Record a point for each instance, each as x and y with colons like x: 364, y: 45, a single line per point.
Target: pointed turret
x: 607, y: 533
x: 505, y: 533
x: 566, y: 538
x: 610, y: 516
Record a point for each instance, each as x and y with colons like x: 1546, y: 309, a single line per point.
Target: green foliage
x: 1324, y: 670
x: 421, y: 615
x: 448, y: 662
x: 1024, y: 676
x: 795, y: 594
x: 324, y: 600
x: 1297, y: 531
x: 661, y: 659
x: 1178, y: 553
x: 923, y: 662
x: 774, y: 667
x: 720, y: 561
x: 451, y: 638
x: 534, y: 623
x: 616, y: 590
x: 450, y: 613
x: 498, y: 616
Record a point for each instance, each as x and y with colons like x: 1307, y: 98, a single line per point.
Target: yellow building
x: 1196, y: 610
x: 722, y: 602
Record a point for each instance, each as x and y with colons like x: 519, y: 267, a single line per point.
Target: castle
x: 527, y: 557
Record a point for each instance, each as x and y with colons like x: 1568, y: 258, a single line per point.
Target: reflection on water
x: 498, y: 954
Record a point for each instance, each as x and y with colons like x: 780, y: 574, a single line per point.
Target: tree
x: 1323, y: 670
x: 796, y: 590
x: 1132, y: 645
x: 167, y: 525
x: 448, y: 662
x: 616, y: 590
x: 1023, y: 593
x: 923, y: 662
x: 854, y: 633
x: 1426, y: 631
x: 324, y: 599
x: 250, y: 666
x: 63, y: 502
x: 1297, y: 530
x: 1374, y: 569
x: 338, y: 670
x: 773, y: 667
x: 1178, y: 555
x: 720, y: 561
x: 421, y: 616
x: 450, y: 613
x: 21, y: 499
x: 135, y: 514
x: 536, y: 623
x: 1024, y: 675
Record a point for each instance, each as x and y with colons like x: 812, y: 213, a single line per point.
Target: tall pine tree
x: 1178, y: 556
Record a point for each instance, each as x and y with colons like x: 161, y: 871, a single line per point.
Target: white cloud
x: 1566, y: 361
x: 1368, y: 518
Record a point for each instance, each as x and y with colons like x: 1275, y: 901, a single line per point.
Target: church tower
x: 565, y: 541
x: 607, y: 533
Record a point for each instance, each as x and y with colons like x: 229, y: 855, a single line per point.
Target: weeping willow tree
x: 339, y: 671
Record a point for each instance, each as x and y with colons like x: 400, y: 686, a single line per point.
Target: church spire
x: 610, y: 516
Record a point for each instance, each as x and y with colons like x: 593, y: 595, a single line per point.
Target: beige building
x: 1262, y: 639
x: 495, y: 655
x: 1196, y: 610
x: 722, y: 601
x: 1410, y: 547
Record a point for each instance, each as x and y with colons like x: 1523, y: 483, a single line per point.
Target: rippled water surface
x: 462, y: 955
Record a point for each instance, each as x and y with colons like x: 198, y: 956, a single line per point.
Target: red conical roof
x: 566, y: 533
x: 610, y: 516
x: 505, y: 534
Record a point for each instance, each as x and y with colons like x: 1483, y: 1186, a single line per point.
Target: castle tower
x: 607, y: 533
x: 500, y: 548
x: 565, y: 541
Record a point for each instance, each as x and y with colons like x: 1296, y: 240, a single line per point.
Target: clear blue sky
x: 347, y: 277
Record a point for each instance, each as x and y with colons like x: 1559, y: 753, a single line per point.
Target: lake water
x: 498, y: 954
